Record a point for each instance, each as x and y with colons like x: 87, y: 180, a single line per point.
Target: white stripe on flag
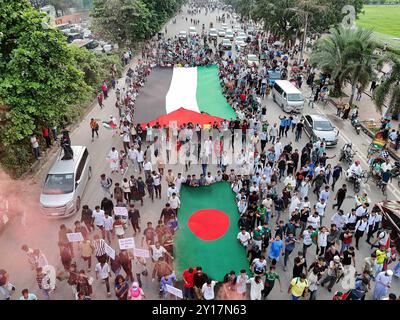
x: 182, y: 91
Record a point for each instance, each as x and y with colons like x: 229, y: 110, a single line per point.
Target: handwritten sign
x: 141, y: 253
x: 121, y: 211
x: 176, y: 292
x: 126, y: 243
x: 75, y: 237
x: 110, y: 251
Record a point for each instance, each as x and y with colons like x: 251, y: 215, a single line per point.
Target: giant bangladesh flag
x: 207, y: 231
x: 196, y: 89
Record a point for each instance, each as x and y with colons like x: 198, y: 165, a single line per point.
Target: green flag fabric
x: 208, y: 230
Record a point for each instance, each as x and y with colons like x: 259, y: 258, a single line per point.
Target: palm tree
x: 389, y: 89
x: 358, y: 57
x: 328, y: 55
x: 346, y: 54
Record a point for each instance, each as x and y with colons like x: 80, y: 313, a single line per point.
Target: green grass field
x: 385, y: 21
x: 382, y: 19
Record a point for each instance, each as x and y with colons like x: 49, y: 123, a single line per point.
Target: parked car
x: 213, y: 33
x: 318, y: 127
x: 65, y: 184
x: 252, y: 60
x: 73, y: 36
x: 182, y: 35
x: 221, y: 32
x: 192, y: 32
x: 229, y: 34
x: 226, y: 44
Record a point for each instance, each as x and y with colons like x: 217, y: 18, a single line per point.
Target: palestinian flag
x: 196, y: 89
x: 208, y: 228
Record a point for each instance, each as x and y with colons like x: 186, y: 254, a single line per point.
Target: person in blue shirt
x: 288, y: 123
x: 167, y: 279
x: 276, y: 249
x: 282, y: 125
x: 336, y: 173
x: 290, y: 243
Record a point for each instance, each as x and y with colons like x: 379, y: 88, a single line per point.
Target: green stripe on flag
x: 216, y: 257
x: 209, y: 94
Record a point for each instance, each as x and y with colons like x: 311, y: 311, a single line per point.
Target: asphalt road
x: 42, y: 233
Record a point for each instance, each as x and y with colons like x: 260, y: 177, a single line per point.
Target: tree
x: 346, y: 54
x: 64, y: 5
x: 389, y: 89
x: 131, y: 21
x: 329, y: 55
x: 281, y: 20
x: 40, y: 82
x: 358, y: 55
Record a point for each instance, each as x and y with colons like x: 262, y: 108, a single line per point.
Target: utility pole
x: 304, y: 36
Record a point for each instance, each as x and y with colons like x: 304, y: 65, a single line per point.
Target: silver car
x: 65, y: 184
x: 318, y: 127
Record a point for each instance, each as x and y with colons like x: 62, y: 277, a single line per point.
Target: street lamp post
x: 304, y: 37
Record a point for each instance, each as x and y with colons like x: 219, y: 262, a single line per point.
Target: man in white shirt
x: 244, y: 237
x: 172, y: 189
x: 175, y: 203
x: 256, y: 287
x: 314, y: 220
x: 208, y: 147
x: 339, y: 219
x: 320, y: 207
x: 158, y: 251
x: 140, y: 160
x: 362, y: 210
x: 113, y: 158
x: 178, y: 182
x: 208, y: 289
x: 209, y: 179
x: 104, y: 271
x: 133, y: 156
x: 148, y: 168
x: 355, y: 169
x: 98, y: 216
x: 307, y: 240
x: 386, y: 165
x: 361, y: 226
x: 108, y: 227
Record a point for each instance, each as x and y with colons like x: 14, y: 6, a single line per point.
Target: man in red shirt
x: 188, y: 282
x: 46, y: 136
x: 100, y: 100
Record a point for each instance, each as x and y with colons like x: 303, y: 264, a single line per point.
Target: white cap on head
x: 389, y: 273
x: 336, y: 258
x: 382, y: 234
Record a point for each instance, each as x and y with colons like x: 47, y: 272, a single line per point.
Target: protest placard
x: 75, y: 237
x: 126, y: 243
x: 110, y: 251
x: 176, y: 292
x: 141, y: 253
x: 120, y: 211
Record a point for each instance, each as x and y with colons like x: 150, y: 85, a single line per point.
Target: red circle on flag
x: 209, y: 224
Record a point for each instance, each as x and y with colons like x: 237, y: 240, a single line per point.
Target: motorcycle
x: 356, y: 180
x: 356, y: 123
x: 347, y: 154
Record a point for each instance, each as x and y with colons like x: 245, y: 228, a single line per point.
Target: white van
x: 65, y: 184
x: 287, y: 96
